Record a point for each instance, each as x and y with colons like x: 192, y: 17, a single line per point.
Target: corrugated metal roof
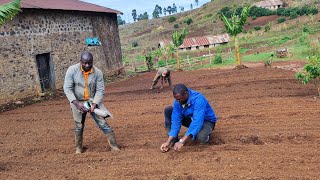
x: 200, y: 41
x: 268, y: 3
x: 68, y: 5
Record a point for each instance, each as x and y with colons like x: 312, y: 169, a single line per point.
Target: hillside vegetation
x: 137, y: 39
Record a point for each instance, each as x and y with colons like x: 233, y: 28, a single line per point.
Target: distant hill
x: 147, y: 33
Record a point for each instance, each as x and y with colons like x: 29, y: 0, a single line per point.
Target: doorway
x: 46, y: 73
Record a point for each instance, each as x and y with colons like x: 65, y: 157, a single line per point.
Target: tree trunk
x: 178, y: 60
x: 236, y: 45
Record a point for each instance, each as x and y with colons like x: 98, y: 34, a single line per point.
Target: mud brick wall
x: 60, y: 33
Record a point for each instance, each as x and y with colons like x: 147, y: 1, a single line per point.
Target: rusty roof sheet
x: 268, y: 3
x: 67, y: 5
x: 200, y: 41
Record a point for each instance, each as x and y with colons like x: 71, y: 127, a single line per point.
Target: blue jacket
x: 197, y: 109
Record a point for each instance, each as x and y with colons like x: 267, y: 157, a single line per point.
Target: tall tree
x: 134, y: 15
x: 160, y: 9
x: 169, y: 9
x: 165, y: 11
x: 191, y: 6
x: 9, y: 10
x: 234, y: 26
x: 174, y: 8
x: 197, y: 2
x: 145, y: 16
x: 181, y: 8
x: 177, y: 39
x: 157, y: 11
x: 120, y: 21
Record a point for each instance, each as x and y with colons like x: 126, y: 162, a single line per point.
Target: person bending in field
x: 163, y: 74
x: 192, y: 110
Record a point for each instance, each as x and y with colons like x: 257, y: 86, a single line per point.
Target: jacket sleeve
x: 197, y: 117
x: 68, y: 86
x: 98, y: 97
x: 176, y: 120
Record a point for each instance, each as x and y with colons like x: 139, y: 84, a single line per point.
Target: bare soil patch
x: 268, y: 128
x: 261, y: 21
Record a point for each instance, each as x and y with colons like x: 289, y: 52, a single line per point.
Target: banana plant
x: 9, y: 10
x: 234, y: 26
x: 177, y: 39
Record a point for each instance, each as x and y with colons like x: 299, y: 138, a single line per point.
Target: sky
x: 126, y: 6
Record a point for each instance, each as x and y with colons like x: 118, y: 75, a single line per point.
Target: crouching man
x: 192, y: 110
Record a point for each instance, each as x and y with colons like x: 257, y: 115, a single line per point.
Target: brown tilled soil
x: 268, y: 128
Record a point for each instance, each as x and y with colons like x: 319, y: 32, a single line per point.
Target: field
x: 268, y: 128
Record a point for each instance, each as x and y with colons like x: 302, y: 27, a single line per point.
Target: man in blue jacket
x: 192, y: 110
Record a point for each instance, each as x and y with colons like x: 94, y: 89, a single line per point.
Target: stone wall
x: 60, y: 33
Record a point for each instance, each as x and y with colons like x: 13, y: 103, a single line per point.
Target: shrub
x: 281, y: 20
x: 267, y: 28
x: 304, y: 38
x: 161, y: 63
x: 314, y: 46
x: 217, y: 59
x: 311, y: 73
x: 284, y: 39
x: 188, y: 21
x: 208, y: 16
x: 293, y: 15
x: 171, y: 19
x: 134, y: 44
x: 149, y: 62
x: 176, y: 26
x: 254, y: 17
x: 257, y: 28
x: 306, y: 29
x: 259, y: 11
x: 312, y: 11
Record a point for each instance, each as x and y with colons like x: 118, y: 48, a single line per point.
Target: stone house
x: 270, y: 4
x: 199, y: 42
x: 41, y: 42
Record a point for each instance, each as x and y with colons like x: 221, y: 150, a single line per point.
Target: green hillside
x: 256, y: 45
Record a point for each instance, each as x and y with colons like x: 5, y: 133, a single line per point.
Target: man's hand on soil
x: 177, y: 146
x: 165, y: 147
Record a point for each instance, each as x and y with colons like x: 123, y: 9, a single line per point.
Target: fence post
x: 188, y: 60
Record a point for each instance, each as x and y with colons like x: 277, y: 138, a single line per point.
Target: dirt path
x: 268, y: 128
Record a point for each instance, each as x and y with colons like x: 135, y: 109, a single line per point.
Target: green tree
x: 157, y: 11
x: 120, y: 21
x: 311, y: 73
x: 169, y: 9
x: 234, y: 26
x: 181, y: 8
x: 134, y: 15
x: 174, y: 8
x: 197, y: 2
x: 9, y: 10
x: 177, y: 39
x: 143, y: 16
